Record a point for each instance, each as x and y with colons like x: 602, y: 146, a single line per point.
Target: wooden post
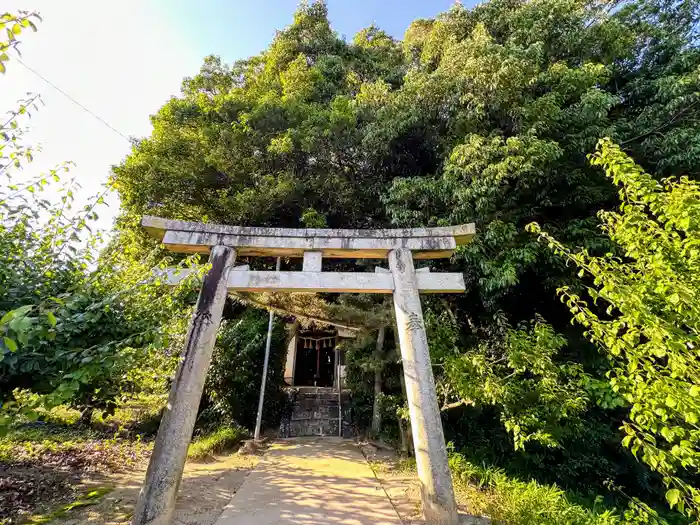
x: 437, y: 493
x: 156, y: 502
x: 317, y: 377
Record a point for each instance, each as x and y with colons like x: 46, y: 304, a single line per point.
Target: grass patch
x: 490, y: 492
x: 221, y: 440
x: 25, y: 441
x: 43, y: 463
x: 90, y: 498
x: 140, y: 415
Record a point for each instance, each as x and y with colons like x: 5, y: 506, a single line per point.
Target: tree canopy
x: 481, y: 115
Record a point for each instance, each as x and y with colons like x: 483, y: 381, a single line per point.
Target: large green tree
x: 481, y: 115
x: 271, y: 138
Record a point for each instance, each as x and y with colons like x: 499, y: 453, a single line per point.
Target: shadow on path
x: 308, y: 481
x: 205, y: 490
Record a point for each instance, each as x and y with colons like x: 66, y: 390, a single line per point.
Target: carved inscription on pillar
x: 439, y: 505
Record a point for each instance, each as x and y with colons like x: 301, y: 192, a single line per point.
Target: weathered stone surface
x: 329, y: 282
x: 291, y: 357
x: 313, y: 261
x: 428, y: 243
x: 157, y: 226
x: 437, y: 493
x: 314, y: 412
x: 157, y: 498
x: 331, y: 247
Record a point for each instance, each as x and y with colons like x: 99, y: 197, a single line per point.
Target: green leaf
x: 52, y: 318
x: 667, y: 433
x: 673, y: 496
x: 10, y: 344
x: 694, y: 390
x: 8, y: 317
x: 23, y: 310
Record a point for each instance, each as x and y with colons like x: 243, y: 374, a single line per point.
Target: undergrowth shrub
x: 512, y: 501
x: 233, y: 382
x: 221, y: 440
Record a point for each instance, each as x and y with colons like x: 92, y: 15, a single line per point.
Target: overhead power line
x: 81, y: 106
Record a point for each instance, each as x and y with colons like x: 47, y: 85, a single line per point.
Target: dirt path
x: 401, y: 484
x: 311, y: 481
x: 301, y: 481
x: 205, y: 490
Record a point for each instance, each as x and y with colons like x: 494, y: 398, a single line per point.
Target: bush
x: 650, y: 329
x: 138, y: 416
x: 509, y: 500
x: 221, y: 440
x: 233, y: 382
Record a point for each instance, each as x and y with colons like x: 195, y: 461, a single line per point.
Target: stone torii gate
x: 156, y: 501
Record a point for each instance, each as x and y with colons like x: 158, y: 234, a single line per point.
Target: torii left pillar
x: 156, y: 501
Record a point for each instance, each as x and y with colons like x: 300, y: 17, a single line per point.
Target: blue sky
x: 124, y: 59
x: 237, y: 29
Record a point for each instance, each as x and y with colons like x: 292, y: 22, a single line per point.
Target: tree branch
x: 448, y: 406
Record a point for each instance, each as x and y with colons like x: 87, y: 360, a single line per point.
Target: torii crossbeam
x: 400, y: 246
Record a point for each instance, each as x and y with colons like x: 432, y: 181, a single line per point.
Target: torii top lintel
x: 197, y: 237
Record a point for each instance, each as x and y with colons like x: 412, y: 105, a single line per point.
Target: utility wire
x: 109, y: 187
x: 73, y: 100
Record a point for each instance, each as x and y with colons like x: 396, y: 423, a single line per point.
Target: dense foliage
x: 481, y: 115
x: 233, y: 383
x: 275, y: 139
x: 76, y: 328
x: 650, y: 329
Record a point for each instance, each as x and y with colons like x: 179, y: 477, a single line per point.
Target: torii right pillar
x: 437, y: 493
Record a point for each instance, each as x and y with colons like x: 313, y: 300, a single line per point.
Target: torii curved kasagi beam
x: 400, y: 246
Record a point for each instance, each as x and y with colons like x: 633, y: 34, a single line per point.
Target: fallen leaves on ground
x: 42, y: 466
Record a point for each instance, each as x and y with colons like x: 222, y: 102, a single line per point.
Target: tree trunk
x: 376, y: 411
x: 402, y: 435
x: 406, y: 440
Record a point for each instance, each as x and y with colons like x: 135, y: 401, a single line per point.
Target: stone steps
x: 314, y: 412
